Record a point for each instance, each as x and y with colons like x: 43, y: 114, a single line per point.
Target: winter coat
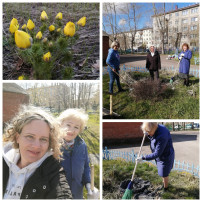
x: 153, y: 63
x: 76, y: 166
x: 185, y: 62
x: 113, y: 59
x: 162, y: 150
x: 47, y: 182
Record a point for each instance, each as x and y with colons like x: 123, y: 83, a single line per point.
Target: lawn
x: 177, y: 102
x: 182, y: 185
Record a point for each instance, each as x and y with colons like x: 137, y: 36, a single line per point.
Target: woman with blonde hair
x: 162, y: 149
x: 31, y: 154
x: 75, y: 155
x: 113, y: 62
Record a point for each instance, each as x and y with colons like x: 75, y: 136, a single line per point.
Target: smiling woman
x: 31, y: 153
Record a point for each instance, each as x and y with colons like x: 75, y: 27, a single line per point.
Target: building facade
x: 179, y: 26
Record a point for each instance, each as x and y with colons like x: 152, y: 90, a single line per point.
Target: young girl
x: 75, y: 155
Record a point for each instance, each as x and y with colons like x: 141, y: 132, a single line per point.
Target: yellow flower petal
x: 39, y: 35
x: 51, y: 28
x: 21, y: 77
x: 69, y: 29
x: 13, y: 25
x: 24, y: 26
x: 30, y: 25
x: 47, y: 56
x: 59, y: 29
x: 59, y: 16
x: 82, y: 21
x: 43, y: 16
x: 22, y: 39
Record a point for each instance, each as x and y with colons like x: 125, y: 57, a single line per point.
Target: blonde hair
x: 77, y: 114
x: 26, y: 114
x: 115, y: 43
x: 149, y: 126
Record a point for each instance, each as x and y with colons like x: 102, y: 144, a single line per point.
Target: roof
x: 179, y: 9
x: 13, y: 88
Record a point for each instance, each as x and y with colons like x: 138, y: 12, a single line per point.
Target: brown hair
x: 185, y: 44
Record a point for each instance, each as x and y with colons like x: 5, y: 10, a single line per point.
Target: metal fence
x: 194, y: 72
x: 131, y: 156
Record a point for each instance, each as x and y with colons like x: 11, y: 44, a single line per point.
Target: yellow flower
x: 82, y: 21
x: 13, y: 25
x: 22, y: 39
x: 43, y: 16
x: 69, y: 29
x: 47, y: 56
x: 24, y: 27
x: 59, y: 29
x: 51, y: 28
x: 21, y: 77
x: 59, y: 16
x: 30, y: 25
x: 39, y: 35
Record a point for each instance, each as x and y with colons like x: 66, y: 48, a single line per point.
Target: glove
x: 182, y: 55
x: 180, y: 58
x: 92, y: 194
x: 138, y: 159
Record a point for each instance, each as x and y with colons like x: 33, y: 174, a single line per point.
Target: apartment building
x: 179, y: 26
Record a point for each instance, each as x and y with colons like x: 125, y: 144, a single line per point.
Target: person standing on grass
x: 113, y: 62
x: 185, y: 57
x: 153, y: 63
x: 75, y: 155
x: 162, y: 149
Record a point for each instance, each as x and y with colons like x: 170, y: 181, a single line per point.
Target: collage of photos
x: 70, y: 70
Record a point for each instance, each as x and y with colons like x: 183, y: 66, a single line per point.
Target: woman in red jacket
x: 153, y: 63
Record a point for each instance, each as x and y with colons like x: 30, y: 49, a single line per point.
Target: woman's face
x: 72, y: 128
x: 116, y: 47
x: 184, y: 48
x: 152, y: 49
x: 33, y: 142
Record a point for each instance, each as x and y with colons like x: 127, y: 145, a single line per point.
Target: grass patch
x: 176, y: 104
x: 181, y: 185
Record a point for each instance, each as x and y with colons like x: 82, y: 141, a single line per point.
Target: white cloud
x: 122, y: 21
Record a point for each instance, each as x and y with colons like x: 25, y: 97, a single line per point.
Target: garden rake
x: 128, y: 192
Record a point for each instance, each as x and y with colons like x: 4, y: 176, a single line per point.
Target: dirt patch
x: 85, y: 62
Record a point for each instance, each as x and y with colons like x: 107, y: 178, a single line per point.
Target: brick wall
x: 121, y: 131
x: 11, y: 103
x: 105, y: 47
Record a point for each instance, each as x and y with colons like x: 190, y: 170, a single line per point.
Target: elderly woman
x: 75, y: 154
x: 31, y: 153
x: 113, y: 62
x: 185, y: 57
x: 162, y: 149
x: 153, y: 63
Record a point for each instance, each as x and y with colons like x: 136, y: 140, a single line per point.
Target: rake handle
x: 138, y: 156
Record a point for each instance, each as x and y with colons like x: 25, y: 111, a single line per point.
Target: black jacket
x: 153, y: 63
x: 47, y: 182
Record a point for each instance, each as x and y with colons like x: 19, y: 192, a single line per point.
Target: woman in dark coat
x: 185, y: 57
x: 113, y: 62
x: 153, y: 63
x: 31, y: 154
x: 162, y: 149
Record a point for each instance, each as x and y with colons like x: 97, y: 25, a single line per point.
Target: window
x: 170, y: 15
x: 193, y: 36
x: 185, y: 29
x: 194, y: 10
x: 194, y: 27
x: 170, y: 23
x: 176, y: 22
x: 176, y: 14
x: 184, y: 36
x: 193, y: 43
x: 194, y: 19
x: 176, y: 29
x: 185, y: 12
x: 184, y: 21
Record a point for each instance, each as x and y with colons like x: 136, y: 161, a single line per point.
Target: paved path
x: 186, y: 145
x: 132, y: 60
